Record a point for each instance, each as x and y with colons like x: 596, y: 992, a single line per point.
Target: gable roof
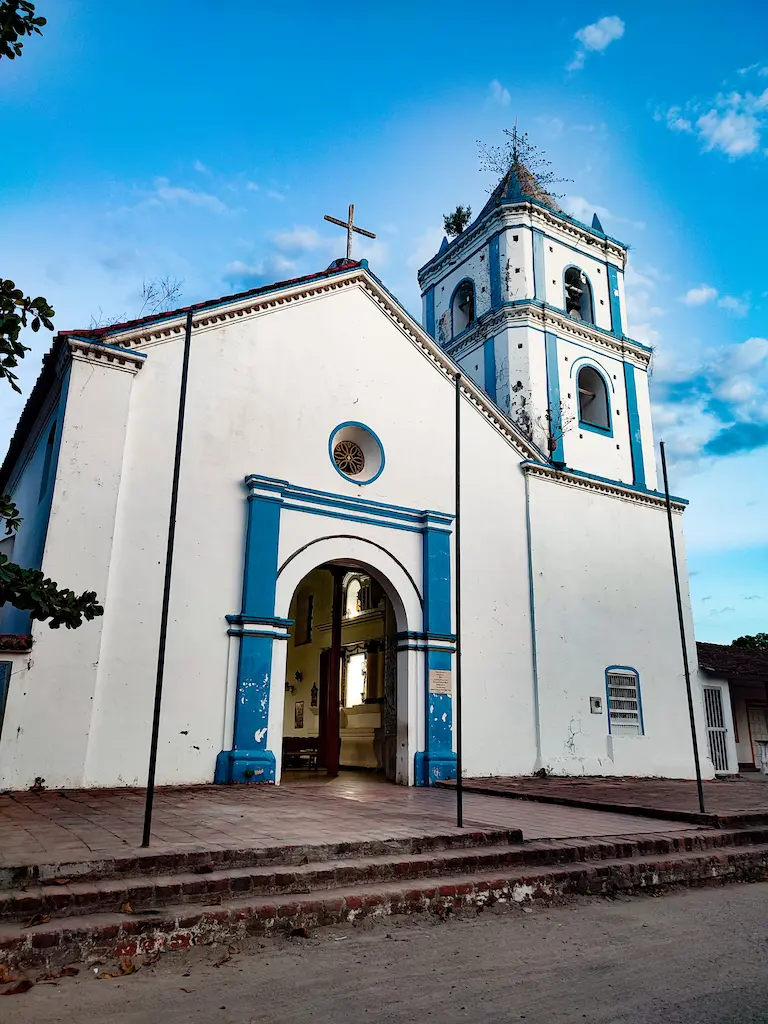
x: 736, y: 663
x: 343, y: 272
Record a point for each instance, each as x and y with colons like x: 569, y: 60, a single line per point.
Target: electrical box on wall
x: 596, y: 705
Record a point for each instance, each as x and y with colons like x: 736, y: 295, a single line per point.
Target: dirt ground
x: 697, y: 956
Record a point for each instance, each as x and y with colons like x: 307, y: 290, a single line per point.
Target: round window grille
x: 348, y: 456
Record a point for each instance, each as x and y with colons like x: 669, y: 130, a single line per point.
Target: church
x: 311, y: 617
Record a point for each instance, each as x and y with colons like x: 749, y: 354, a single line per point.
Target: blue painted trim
x: 614, y: 299
x: 585, y: 424
x: 489, y: 367
x: 250, y: 752
x: 607, y: 480
x: 553, y: 389
x: 494, y: 267
x: 347, y: 517
x: 431, y: 768
x: 635, y: 433
x: 429, y: 306
x: 624, y: 668
x: 261, y: 620
x: 409, y: 634
x: 6, y: 667
x: 473, y: 321
x: 539, y: 276
x: 374, y: 435
x: 572, y: 266
x: 585, y: 360
x: 258, y: 632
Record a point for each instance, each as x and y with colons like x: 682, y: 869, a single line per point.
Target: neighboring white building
x: 316, y: 524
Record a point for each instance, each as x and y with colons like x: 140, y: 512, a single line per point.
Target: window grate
x: 713, y: 706
x: 624, y: 718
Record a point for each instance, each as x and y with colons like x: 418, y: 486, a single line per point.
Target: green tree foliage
x: 28, y: 589
x: 17, y: 20
x: 758, y: 642
x: 454, y: 223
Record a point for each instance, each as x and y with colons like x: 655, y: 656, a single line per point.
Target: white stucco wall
x: 516, y: 258
x: 558, y: 256
x: 474, y: 266
x: 604, y: 596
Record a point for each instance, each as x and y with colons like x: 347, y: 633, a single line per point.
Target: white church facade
x: 311, y: 616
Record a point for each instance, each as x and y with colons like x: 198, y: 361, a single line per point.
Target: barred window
x: 625, y: 716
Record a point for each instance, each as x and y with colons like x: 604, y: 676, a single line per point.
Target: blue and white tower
x: 530, y: 303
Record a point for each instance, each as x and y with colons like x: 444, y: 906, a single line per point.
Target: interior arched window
x: 578, y: 295
x: 463, y: 309
x: 593, y: 399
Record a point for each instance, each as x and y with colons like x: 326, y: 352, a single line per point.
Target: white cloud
x: 676, y: 122
x: 737, y: 307
x: 498, y: 94
x: 699, y: 296
x: 173, y: 195
x: 251, y: 186
x: 595, y: 38
x: 300, y: 239
x: 272, y: 194
x: 735, y: 134
x: 750, y: 354
x: 425, y: 247
x: 200, y: 167
x: 582, y: 210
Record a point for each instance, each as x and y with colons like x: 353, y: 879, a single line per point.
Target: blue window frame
x: 594, y: 400
x: 624, y: 700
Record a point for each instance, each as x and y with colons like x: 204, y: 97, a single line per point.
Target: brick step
x: 150, y: 862
x: 181, y: 925
x: 146, y: 894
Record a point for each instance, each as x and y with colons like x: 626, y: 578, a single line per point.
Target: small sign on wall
x: 440, y: 681
x: 596, y: 705
x: 298, y: 714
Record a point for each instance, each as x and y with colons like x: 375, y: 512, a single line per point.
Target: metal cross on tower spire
x: 350, y: 225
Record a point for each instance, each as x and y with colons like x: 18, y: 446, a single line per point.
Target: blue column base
x: 434, y: 767
x: 244, y: 766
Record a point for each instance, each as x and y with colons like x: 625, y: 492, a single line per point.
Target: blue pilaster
x: 614, y: 299
x: 553, y: 395
x: 438, y: 760
x: 633, y: 418
x: 429, y: 311
x: 494, y: 266
x: 539, y: 281
x: 250, y: 759
x: 489, y: 367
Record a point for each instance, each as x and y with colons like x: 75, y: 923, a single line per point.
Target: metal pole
x: 459, y: 789
x: 699, y: 786
x: 167, y: 587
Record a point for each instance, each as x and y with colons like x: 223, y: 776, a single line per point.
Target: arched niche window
x: 578, y: 295
x: 463, y: 307
x: 594, y: 411
x: 358, y: 596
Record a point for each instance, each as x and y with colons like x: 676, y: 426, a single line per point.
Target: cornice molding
x: 505, y: 216
x: 109, y: 355
x: 545, y: 317
x: 617, y: 490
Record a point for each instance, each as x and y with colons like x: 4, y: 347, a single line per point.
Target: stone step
x: 152, y: 862
x: 146, y: 894
x: 180, y: 925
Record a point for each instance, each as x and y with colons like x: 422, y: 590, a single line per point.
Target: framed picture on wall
x: 298, y: 714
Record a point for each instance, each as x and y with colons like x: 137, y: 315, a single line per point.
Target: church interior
x: 365, y: 726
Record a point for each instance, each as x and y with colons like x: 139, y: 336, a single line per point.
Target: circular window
x: 356, y: 452
x: 349, y: 457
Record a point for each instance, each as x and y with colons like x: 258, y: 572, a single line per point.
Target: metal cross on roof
x: 350, y: 225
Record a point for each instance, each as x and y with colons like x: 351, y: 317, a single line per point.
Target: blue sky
x: 206, y: 141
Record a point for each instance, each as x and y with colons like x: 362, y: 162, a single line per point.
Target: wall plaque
x: 440, y: 681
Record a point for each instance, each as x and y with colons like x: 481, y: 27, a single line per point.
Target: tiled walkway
x: 82, y: 824
x: 748, y: 793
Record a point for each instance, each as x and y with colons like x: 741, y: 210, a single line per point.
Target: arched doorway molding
x: 402, y: 592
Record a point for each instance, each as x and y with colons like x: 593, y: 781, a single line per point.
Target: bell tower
x: 530, y: 303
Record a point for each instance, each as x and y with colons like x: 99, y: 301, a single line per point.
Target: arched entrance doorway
x: 340, y: 705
